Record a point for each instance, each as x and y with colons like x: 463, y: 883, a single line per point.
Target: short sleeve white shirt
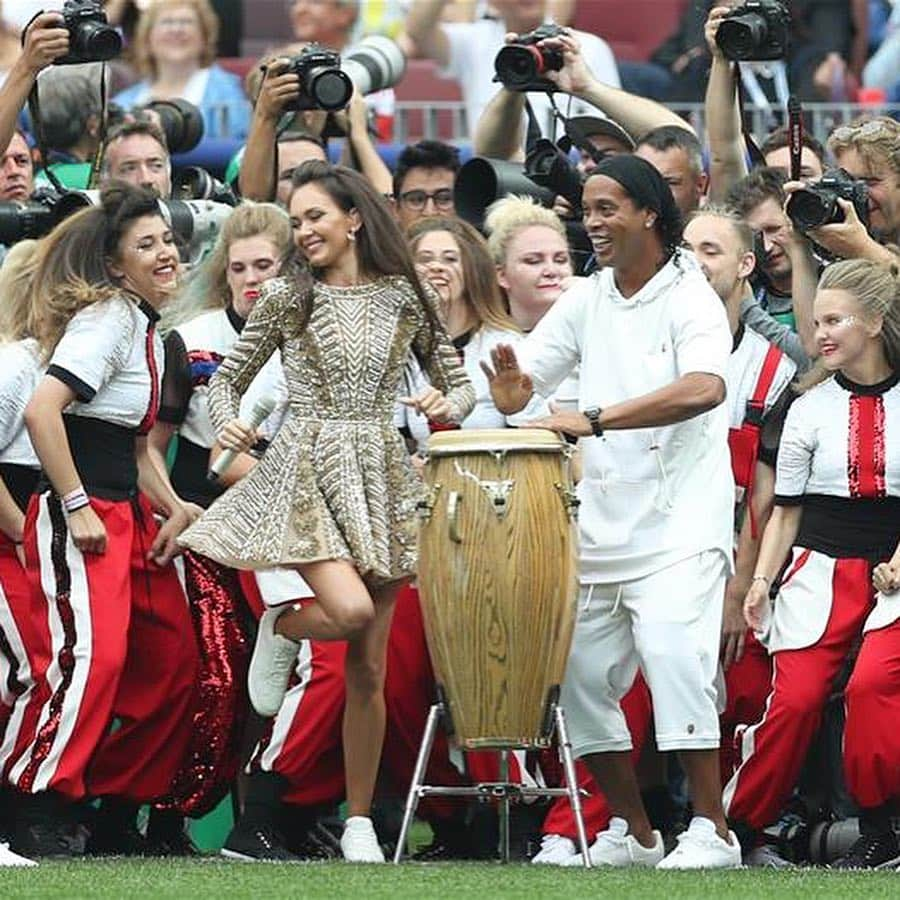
x: 20, y: 372
x: 112, y: 357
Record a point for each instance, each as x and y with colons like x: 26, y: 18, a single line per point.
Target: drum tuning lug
x: 426, y: 505
x: 569, y: 498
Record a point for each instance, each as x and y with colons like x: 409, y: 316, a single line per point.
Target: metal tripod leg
x: 565, y: 746
x: 504, y: 808
x: 412, y: 798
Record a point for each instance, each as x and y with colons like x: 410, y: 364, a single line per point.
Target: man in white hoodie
x: 652, y: 340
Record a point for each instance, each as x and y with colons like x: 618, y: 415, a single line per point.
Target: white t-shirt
x: 208, y: 339
x: 20, y: 372
x: 473, y: 47
x: 112, y: 357
x: 650, y: 497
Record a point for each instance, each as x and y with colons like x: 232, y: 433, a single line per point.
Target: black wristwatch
x: 593, y: 416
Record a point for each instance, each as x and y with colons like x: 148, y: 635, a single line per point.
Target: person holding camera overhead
x: 836, y: 517
x: 465, y: 51
x: 116, y: 639
x: 175, y: 48
x: 335, y: 494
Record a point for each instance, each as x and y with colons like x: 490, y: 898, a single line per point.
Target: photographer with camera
x: 465, y: 51
x: 311, y: 83
x: 500, y: 132
x: 853, y: 212
x: 786, y: 274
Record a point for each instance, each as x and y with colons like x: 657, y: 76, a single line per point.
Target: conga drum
x: 498, y: 580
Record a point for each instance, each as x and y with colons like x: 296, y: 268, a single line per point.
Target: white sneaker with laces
x: 271, y: 665
x: 359, y: 843
x: 8, y: 858
x: 555, y: 849
x: 700, y: 847
x: 616, y: 847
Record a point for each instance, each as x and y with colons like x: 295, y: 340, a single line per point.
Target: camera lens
x: 330, y: 88
x: 181, y: 122
x: 375, y: 64
x: 808, y: 209
x: 741, y: 36
x: 518, y: 64
x: 96, y: 41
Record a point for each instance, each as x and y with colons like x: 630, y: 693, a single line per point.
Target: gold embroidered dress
x: 336, y: 482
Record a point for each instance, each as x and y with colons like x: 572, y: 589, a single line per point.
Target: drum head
x: 495, y: 440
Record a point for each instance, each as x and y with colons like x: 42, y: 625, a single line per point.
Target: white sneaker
x: 271, y: 665
x: 359, y: 843
x: 8, y: 858
x: 701, y: 848
x: 555, y: 849
x: 616, y: 847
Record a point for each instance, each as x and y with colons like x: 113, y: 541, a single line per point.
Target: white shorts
x: 668, y: 624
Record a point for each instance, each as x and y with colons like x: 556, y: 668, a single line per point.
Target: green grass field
x: 212, y: 878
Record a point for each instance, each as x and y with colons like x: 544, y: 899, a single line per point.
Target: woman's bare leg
x: 345, y: 610
x: 364, y: 713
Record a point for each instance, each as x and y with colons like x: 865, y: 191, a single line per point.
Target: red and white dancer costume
x: 20, y: 371
x: 838, y: 458
x: 758, y: 379
x: 194, y: 351
x: 116, y: 696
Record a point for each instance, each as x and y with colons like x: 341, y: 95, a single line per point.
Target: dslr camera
x: 755, y: 30
x: 322, y: 83
x: 521, y: 66
x: 549, y: 167
x: 817, y: 203
x: 91, y: 39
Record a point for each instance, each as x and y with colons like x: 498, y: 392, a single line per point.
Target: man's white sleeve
x: 553, y: 349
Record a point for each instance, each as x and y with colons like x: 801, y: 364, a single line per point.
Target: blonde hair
x: 209, y: 25
x: 15, y: 290
x: 507, y: 217
x: 873, y: 137
x: 208, y: 289
x: 877, y: 290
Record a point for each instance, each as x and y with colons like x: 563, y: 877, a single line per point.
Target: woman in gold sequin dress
x: 335, y: 494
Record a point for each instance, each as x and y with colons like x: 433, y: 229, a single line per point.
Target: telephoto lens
x: 376, y: 63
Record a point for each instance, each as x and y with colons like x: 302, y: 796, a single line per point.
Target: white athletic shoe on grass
x: 616, y: 847
x: 555, y: 850
x: 273, y: 660
x: 8, y: 858
x: 359, y: 843
x: 700, y: 847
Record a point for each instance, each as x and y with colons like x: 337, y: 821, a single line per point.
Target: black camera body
x: 548, y: 167
x: 817, y: 203
x: 91, y: 39
x: 755, y: 30
x: 520, y: 66
x: 322, y: 83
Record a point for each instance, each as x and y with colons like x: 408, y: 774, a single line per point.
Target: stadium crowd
x: 191, y: 242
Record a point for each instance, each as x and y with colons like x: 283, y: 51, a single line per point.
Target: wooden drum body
x: 498, y: 580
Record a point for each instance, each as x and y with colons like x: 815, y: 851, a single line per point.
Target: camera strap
x: 753, y: 151
x: 533, y: 133
x: 34, y: 110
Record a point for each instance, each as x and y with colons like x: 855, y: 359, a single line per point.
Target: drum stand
x: 503, y: 790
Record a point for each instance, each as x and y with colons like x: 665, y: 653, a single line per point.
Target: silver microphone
x: 261, y: 411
